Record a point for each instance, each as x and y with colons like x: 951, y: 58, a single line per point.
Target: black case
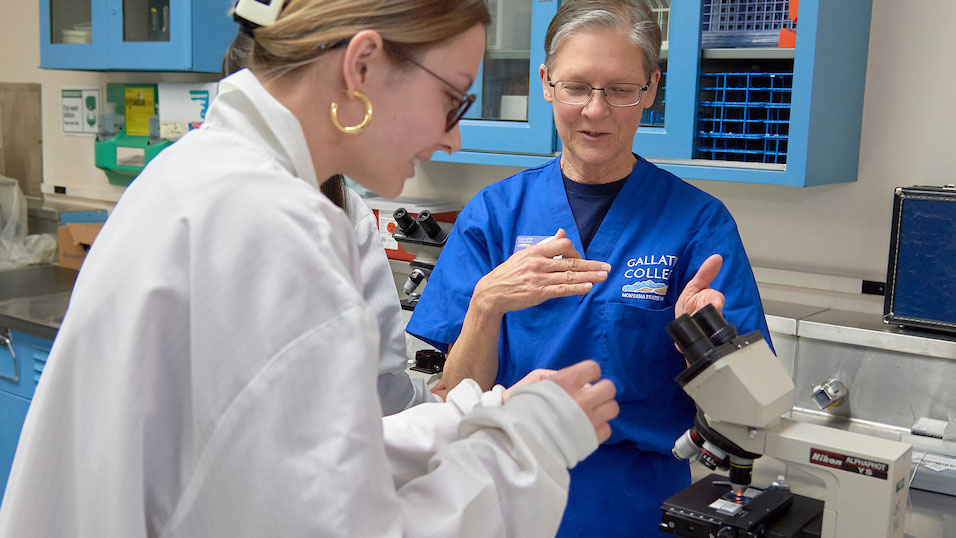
x: 921, y: 272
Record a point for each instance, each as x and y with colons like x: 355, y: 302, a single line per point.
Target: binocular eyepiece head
x: 698, y: 335
x: 409, y: 224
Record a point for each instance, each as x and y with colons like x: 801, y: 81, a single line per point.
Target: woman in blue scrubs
x: 654, y: 230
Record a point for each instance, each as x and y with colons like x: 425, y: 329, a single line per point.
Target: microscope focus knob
x: 405, y: 221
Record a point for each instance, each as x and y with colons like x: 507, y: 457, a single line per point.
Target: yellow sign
x: 140, y: 105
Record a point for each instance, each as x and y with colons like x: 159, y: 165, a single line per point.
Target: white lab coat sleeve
x: 395, y: 389
x: 413, y: 437
x: 492, y: 470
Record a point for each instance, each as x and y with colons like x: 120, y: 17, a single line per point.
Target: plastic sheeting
x: 17, y: 249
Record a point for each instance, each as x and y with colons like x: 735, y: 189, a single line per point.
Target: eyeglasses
x: 619, y: 94
x: 465, y: 100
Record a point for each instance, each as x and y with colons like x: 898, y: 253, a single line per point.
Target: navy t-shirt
x: 589, y: 204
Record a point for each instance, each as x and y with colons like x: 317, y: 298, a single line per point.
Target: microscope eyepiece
x: 690, y: 339
x: 713, y: 324
x: 405, y: 221
x: 429, y: 224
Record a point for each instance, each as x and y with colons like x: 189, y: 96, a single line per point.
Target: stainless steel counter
x: 34, y: 299
x: 857, y: 329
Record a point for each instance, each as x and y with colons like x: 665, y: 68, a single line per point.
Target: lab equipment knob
x: 727, y: 532
x: 830, y: 394
x: 414, y: 279
x: 405, y: 221
x: 429, y: 360
x: 429, y: 224
x: 688, y: 445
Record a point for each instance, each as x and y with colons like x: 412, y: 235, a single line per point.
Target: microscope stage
x: 708, y: 508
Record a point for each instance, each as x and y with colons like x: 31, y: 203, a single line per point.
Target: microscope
x: 424, y: 237
x: 742, y: 392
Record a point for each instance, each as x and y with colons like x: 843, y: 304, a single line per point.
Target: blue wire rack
x: 743, y: 23
x: 744, y: 116
x: 654, y: 117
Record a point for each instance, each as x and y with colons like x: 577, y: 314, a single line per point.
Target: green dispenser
x: 128, y: 138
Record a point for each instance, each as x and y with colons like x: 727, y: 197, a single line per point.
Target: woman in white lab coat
x: 396, y: 390
x: 215, y: 372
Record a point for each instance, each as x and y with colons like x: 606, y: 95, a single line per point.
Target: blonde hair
x: 307, y: 28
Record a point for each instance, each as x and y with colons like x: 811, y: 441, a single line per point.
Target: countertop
x: 34, y: 299
x: 855, y: 328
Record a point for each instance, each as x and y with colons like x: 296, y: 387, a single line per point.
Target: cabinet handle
x: 6, y: 339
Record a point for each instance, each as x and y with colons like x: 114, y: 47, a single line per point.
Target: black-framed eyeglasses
x: 619, y: 94
x: 465, y: 100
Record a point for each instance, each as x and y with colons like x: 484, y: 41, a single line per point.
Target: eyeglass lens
x: 457, y: 113
x: 578, y: 93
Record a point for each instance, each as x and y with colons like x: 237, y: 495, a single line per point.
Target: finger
x: 572, y: 264
x: 573, y: 277
x: 705, y: 275
x: 600, y: 392
x: 573, y: 377
x: 710, y: 296
x: 564, y: 290
x: 605, y: 412
x: 603, y: 432
x: 557, y: 246
x: 558, y: 235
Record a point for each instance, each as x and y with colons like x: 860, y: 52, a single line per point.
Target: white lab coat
x: 395, y: 389
x: 215, y: 374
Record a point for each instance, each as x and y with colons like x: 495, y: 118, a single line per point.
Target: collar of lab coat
x: 245, y: 107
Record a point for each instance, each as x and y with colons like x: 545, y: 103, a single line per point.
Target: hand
x: 531, y: 276
x: 440, y: 390
x: 596, y: 398
x: 534, y: 375
x: 698, y: 293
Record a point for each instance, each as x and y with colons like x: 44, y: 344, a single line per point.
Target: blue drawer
x: 13, y: 410
x: 22, y: 359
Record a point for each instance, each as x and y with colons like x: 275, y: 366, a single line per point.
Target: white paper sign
x: 387, y: 225
x: 80, y: 108
x: 183, y: 106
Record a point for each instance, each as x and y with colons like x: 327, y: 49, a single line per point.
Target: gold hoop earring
x: 353, y: 129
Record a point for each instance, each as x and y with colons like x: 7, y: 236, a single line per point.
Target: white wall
x: 67, y: 160
x: 908, y: 132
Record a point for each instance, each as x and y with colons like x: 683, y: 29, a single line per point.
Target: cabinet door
x: 13, y: 410
x: 818, y: 142
x: 73, y: 34
x: 667, y: 130
x: 150, y: 35
x: 22, y: 359
x: 135, y: 35
x: 510, y: 122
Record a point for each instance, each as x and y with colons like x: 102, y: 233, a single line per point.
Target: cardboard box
x: 74, y: 240
x: 383, y: 208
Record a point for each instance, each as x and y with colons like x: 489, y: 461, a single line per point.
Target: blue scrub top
x: 656, y: 234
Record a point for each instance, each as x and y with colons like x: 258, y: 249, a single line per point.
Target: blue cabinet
x: 811, y: 112
x: 22, y: 359
x: 13, y: 410
x: 135, y: 35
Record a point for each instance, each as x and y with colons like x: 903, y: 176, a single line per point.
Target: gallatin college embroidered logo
x: 652, y: 273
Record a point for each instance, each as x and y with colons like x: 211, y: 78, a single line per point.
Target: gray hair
x: 632, y: 17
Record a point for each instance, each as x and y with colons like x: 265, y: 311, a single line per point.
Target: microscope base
x: 774, y: 513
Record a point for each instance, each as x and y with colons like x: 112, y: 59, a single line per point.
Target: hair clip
x: 258, y: 12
